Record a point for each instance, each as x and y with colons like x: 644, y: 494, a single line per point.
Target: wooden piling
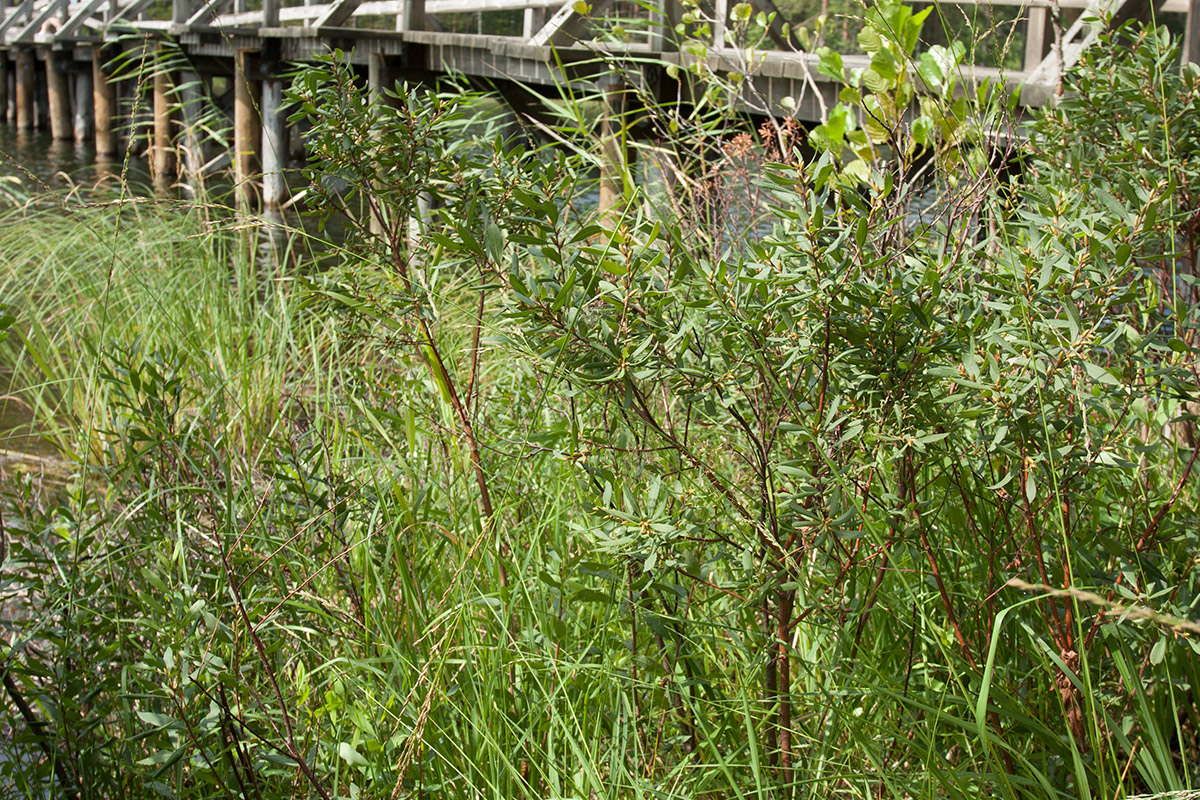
x: 41, y: 101
x: 191, y: 145
x: 162, y: 149
x: 3, y: 87
x: 104, y: 104
x: 84, y: 123
x: 613, y: 156
x: 246, y: 134
x: 376, y: 81
x: 274, y: 144
x: 25, y: 88
x: 58, y: 93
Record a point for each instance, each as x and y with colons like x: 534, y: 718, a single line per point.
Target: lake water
x: 41, y: 165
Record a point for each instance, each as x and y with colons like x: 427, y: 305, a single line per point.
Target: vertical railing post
x: 412, y: 17
x: 1038, y: 37
x: 1191, y: 36
x: 664, y: 15
x: 534, y: 19
x: 720, y: 19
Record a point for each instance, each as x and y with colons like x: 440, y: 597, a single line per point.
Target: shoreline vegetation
x: 857, y: 461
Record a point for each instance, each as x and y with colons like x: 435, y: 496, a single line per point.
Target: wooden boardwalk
x: 54, y: 56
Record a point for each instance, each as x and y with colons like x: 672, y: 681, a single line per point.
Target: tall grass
x: 274, y: 575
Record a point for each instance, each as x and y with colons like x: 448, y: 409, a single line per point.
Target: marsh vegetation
x: 855, y: 462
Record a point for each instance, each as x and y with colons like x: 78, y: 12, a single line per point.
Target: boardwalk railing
x: 558, y: 41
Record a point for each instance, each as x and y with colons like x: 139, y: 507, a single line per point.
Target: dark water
x: 32, y: 164
x: 34, y: 167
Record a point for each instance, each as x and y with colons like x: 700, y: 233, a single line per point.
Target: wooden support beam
x: 337, y: 14
x: 1039, y: 36
x: 412, y: 16
x: 162, y: 148
x: 207, y: 12
x: 130, y: 12
x: 18, y: 15
x: 104, y: 105
x: 664, y: 16
x: 534, y: 19
x: 274, y: 144
x: 25, y: 88
x: 270, y: 13
x: 76, y: 18
x: 567, y: 26
x: 190, y: 143
x: 247, y: 137
x: 614, y: 157
x: 3, y: 87
x: 58, y: 92
x: 720, y: 23
x: 41, y: 99
x: 56, y: 9
x: 84, y: 122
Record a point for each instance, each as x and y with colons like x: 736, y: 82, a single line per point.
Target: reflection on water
x: 42, y: 165
x: 34, y: 167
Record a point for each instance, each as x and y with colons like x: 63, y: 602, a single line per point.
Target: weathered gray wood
x: 567, y: 26
x: 274, y: 144
x: 1038, y: 38
x: 720, y: 21
x: 270, y: 13
x: 381, y: 8
x: 77, y: 17
x: 19, y: 14
x: 413, y: 16
x: 1191, y: 37
x: 532, y: 21
x: 191, y: 145
x: 84, y: 123
x: 664, y: 16
x: 207, y: 12
x: 1042, y: 83
x: 337, y: 14
x: 42, y: 19
x: 129, y: 12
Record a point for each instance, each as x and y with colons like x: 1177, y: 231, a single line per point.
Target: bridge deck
x: 556, y: 43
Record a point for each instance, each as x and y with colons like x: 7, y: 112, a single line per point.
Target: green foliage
x: 874, y: 486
